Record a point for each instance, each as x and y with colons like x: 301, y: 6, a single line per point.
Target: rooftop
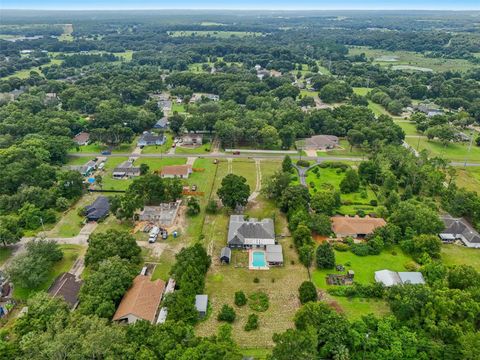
x: 176, y: 170
x: 66, y: 286
x: 356, y: 224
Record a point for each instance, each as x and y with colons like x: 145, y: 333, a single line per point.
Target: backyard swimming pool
x: 258, y: 259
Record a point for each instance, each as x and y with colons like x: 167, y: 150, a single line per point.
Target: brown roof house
x: 180, y: 171
x: 81, y: 138
x: 141, y: 301
x: 320, y: 142
x: 66, y: 286
x: 356, y: 227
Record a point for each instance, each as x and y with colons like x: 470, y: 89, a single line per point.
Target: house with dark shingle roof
x: 66, y: 286
x: 459, y: 229
x: 320, y: 142
x: 148, y: 138
x: 161, y: 124
x: 250, y: 233
x: 98, y: 210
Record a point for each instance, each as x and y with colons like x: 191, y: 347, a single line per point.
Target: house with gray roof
x: 321, y: 142
x: 391, y: 278
x: 274, y: 255
x: 126, y: 169
x: 161, y: 124
x: 458, y: 229
x: 251, y: 233
x: 148, y: 139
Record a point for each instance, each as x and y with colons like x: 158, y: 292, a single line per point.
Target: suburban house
x: 320, y: 142
x: 98, y: 210
x: 226, y: 255
x: 148, y: 138
x: 85, y: 169
x: 250, y: 233
x: 192, y: 139
x: 126, y: 169
x: 274, y: 255
x: 165, y: 105
x: 163, y: 214
x: 66, y: 286
x: 428, y: 110
x: 82, y: 138
x: 197, y: 97
x: 390, y: 278
x: 459, y: 229
x: 141, y: 301
x: 262, y: 73
x: 161, y: 124
x: 201, y: 304
x: 356, y: 227
x: 173, y: 171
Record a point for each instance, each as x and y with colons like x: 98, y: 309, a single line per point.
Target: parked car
x: 106, y: 152
x: 194, y: 187
x: 236, y: 153
x: 174, y: 145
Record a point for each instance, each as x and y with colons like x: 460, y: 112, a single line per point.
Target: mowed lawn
x: 247, y: 169
x: 469, y: 178
x: 70, y: 254
x: 408, y: 127
x: 453, y: 151
x: 71, y: 222
x: 328, y: 179
x: 460, y: 255
x: 346, y: 150
x: 364, y: 267
x: 98, y: 148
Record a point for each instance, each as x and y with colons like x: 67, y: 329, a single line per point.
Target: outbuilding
x: 226, y: 255
x: 201, y: 304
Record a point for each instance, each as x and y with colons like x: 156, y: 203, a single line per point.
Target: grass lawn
x: 204, y: 148
x: 77, y: 160
x: 71, y: 223
x: 247, y: 169
x: 376, y: 108
x: 268, y: 168
x: 159, y: 149
x: 364, y: 267
x: 412, y: 59
x: 180, y: 108
x: 5, y: 253
x: 98, y: 148
x: 469, y: 178
x: 329, y: 178
x: 126, y: 55
x: 460, y: 255
x: 408, y: 127
x: 345, y: 151
x: 453, y: 151
x: 70, y: 254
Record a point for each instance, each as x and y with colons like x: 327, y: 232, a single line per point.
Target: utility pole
x: 469, y: 149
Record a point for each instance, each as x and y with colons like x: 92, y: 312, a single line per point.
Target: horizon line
x: 240, y: 9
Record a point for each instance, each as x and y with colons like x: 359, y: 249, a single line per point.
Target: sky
x: 244, y: 4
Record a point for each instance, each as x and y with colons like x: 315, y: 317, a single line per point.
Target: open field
x: 213, y: 33
x: 67, y: 33
x: 70, y: 254
x: 460, y: 255
x: 347, y: 150
x: 98, y: 148
x: 377, y: 109
x: 245, y: 168
x: 453, y: 151
x: 364, y: 267
x: 469, y: 178
x: 328, y: 179
x: 71, y: 222
x: 408, y: 127
x: 412, y: 59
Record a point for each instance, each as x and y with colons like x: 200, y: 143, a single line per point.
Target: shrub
x: 212, y: 207
x: 258, y: 301
x: 360, y: 213
x: 341, y: 246
x: 252, y: 322
x: 256, y: 280
x: 303, y: 163
x: 373, y: 202
x: 376, y: 290
x: 325, y: 256
x: 360, y: 249
x: 226, y: 314
x: 193, y: 206
x: 411, y: 266
x: 307, y: 292
x: 240, y: 298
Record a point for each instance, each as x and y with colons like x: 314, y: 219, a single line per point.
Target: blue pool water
x: 258, y: 259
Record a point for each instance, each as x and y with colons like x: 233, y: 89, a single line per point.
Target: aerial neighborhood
x: 199, y: 184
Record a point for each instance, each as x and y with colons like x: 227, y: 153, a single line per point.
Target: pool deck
x: 250, y: 260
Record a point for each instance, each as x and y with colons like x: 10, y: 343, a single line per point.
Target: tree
x: 193, y: 206
x: 276, y: 184
x: 350, y: 183
x: 240, y: 298
x: 287, y: 164
x: 294, y: 197
x: 176, y: 122
x: 10, y: 232
x: 99, y: 180
x: 305, y: 255
x: 102, y: 246
x: 103, y: 289
x: 227, y: 313
x: 325, y: 202
x: 31, y: 268
x: 302, y: 236
x: 463, y: 277
x: 234, y: 191
x: 295, y: 345
x: 307, y: 292
x: 321, y: 224
x: 211, y: 207
x: 325, y: 256
x: 252, y: 322
x: 417, y: 217
x: 144, y: 168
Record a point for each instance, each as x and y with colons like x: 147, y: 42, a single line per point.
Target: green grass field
x: 98, y: 148
x: 364, y: 267
x: 346, y: 150
x: 460, y: 255
x: 77, y: 160
x: 218, y: 34
x: 204, y: 148
x: 408, y: 127
x: 411, y: 59
x: 377, y: 109
x: 469, y: 178
x: 247, y: 169
x: 70, y: 254
x: 453, y: 151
